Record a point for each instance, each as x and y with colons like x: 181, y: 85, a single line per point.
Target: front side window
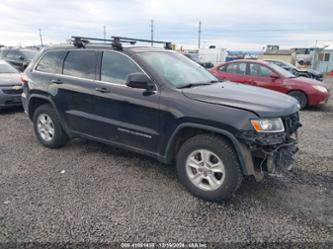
x: 259, y: 70
x: 236, y: 68
x: 116, y: 67
x: 81, y: 64
x: 50, y: 62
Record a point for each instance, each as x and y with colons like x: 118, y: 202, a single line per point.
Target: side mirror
x: 21, y: 58
x: 275, y: 76
x: 139, y: 80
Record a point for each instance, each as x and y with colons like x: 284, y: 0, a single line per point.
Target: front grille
x: 291, y: 123
x: 12, y: 91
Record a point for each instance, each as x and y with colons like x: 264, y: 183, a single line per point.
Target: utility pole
x: 40, y: 37
x: 152, y: 32
x: 199, y: 35
x: 104, y: 33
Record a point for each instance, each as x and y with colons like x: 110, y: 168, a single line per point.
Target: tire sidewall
x: 301, y: 96
x: 230, y: 183
x: 47, y: 109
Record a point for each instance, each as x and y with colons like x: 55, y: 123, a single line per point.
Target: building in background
x: 274, y: 52
x: 322, y: 60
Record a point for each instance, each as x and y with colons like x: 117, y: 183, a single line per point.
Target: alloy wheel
x: 205, y: 170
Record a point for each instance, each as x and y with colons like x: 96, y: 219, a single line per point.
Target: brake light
x: 24, y: 79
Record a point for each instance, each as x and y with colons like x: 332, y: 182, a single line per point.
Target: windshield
x: 177, y: 69
x: 29, y: 54
x: 282, y: 71
x: 6, y: 68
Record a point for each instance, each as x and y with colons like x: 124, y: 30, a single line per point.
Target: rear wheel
x: 48, y: 128
x: 301, y: 98
x: 209, y: 167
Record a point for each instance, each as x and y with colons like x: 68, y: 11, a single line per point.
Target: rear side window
x: 259, y: 70
x: 236, y: 68
x: 116, y: 67
x: 80, y: 64
x: 51, y: 62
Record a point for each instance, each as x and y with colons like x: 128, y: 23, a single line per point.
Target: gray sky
x: 233, y: 24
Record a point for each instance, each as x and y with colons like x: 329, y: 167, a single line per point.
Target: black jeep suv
x: 159, y: 103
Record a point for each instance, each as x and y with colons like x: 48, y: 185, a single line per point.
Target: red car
x: 268, y: 75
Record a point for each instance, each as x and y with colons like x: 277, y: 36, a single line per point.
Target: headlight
x: 320, y: 89
x: 268, y: 125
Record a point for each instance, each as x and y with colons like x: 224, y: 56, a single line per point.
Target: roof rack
x: 116, y: 41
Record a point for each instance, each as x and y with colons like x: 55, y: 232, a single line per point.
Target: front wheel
x: 300, y: 97
x: 209, y: 167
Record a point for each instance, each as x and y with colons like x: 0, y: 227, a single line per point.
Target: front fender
x: 243, y: 153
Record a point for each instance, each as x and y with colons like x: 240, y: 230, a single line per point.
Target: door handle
x: 102, y: 89
x: 57, y: 81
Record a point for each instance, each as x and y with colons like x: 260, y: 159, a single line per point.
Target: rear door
x: 124, y: 115
x: 262, y: 77
x: 237, y: 72
x: 73, y: 90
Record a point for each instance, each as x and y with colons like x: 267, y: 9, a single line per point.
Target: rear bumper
x: 9, y: 99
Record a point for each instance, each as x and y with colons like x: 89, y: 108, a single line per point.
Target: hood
x: 263, y: 102
x: 10, y: 79
x: 304, y: 80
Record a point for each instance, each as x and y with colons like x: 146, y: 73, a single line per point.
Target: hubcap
x: 45, y: 127
x: 205, y: 170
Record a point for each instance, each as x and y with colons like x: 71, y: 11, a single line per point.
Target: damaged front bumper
x: 267, y: 152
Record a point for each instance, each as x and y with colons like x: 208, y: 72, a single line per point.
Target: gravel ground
x: 87, y: 191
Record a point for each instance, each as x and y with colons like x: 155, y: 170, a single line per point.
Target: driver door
x: 124, y: 115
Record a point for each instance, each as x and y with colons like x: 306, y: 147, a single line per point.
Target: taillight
x: 24, y: 79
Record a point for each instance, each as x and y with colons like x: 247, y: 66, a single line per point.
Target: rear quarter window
x: 51, y: 62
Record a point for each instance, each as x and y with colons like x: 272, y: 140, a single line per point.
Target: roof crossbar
x: 116, y: 41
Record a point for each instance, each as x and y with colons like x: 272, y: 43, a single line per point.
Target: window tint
x: 236, y: 68
x: 116, y: 67
x: 80, y: 64
x: 259, y: 70
x: 51, y: 62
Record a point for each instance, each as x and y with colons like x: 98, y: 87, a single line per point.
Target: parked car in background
x: 195, y: 58
x: 159, y: 103
x: 10, y: 86
x: 265, y: 74
x: 308, y: 73
x: 18, y: 57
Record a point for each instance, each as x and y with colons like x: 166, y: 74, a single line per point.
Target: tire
x: 196, y: 148
x: 47, y: 127
x: 300, y: 97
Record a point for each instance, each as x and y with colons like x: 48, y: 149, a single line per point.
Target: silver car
x: 10, y: 86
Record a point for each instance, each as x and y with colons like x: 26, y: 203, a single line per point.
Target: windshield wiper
x: 193, y: 85
x: 199, y: 84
